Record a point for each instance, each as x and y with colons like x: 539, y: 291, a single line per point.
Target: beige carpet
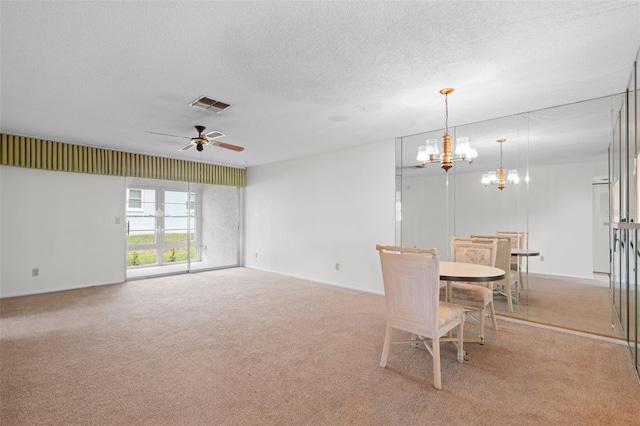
x: 247, y: 347
x: 573, y: 303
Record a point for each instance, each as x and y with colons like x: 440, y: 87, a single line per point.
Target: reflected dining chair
x: 517, y: 238
x: 517, y: 242
x: 474, y: 296
x: 508, y: 286
x: 411, y: 279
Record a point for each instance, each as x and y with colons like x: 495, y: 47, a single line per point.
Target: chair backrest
x: 411, y: 279
x: 503, y: 254
x: 517, y: 238
x: 481, y: 251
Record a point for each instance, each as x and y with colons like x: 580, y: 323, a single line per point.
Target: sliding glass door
x: 175, y: 227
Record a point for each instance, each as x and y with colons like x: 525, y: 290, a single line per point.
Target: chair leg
x: 520, y: 281
x: 385, y: 348
x: 482, y: 315
x: 493, y: 315
x: 435, y: 348
x: 508, y: 292
x: 460, y: 342
x: 415, y: 337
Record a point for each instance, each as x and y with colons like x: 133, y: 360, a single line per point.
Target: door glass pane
x: 179, y: 208
x: 141, y: 216
x: 177, y: 254
x: 178, y: 229
x: 142, y: 257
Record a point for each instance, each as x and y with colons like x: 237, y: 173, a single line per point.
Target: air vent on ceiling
x: 209, y: 104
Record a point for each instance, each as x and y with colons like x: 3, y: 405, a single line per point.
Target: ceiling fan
x: 204, y: 139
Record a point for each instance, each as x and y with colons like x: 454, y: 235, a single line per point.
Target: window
x: 134, y: 199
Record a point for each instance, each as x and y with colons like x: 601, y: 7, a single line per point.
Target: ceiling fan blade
x: 227, y: 146
x: 165, y: 134
x: 186, y: 147
x: 215, y: 134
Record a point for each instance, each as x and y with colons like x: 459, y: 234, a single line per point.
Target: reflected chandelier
x: 493, y: 178
x: 465, y: 151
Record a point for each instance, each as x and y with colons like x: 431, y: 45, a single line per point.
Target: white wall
x: 65, y: 225
x: 556, y: 209
x: 303, y: 216
x: 561, y: 217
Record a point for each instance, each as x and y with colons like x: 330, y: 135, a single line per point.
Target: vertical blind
x: 34, y: 153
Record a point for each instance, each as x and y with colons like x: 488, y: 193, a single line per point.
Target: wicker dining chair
x: 517, y: 242
x: 474, y: 296
x: 509, y: 285
x: 411, y: 279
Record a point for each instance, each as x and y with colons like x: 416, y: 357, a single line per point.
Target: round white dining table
x: 524, y: 252
x: 459, y: 271
x: 470, y: 272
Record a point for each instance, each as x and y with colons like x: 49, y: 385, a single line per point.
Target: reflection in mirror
x: 560, y: 202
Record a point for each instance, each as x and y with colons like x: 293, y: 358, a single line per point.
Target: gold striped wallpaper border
x: 33, y: 153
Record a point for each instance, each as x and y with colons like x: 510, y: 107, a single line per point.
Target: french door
x: 161, y: 227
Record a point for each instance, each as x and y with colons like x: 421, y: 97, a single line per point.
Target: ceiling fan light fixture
x: 209, y: 104
x: 204, y: 139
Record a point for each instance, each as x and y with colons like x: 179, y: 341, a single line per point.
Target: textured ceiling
x: 302, y: 77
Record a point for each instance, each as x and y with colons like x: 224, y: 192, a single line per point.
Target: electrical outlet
x: 541, y: 258
x: 35, y: 272
x: 256, y: 254
x: 337, y: 266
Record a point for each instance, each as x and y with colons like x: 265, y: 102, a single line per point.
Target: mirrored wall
x: 624, y: 208
x: 577, y: 167
x: 561, y: 157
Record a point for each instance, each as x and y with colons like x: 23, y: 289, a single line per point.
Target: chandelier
x: 465, y: 151
x: 493, y: 178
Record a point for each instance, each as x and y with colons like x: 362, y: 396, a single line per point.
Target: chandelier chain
x: 446, y: 113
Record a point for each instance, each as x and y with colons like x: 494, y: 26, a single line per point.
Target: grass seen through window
x: 149, y: 256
